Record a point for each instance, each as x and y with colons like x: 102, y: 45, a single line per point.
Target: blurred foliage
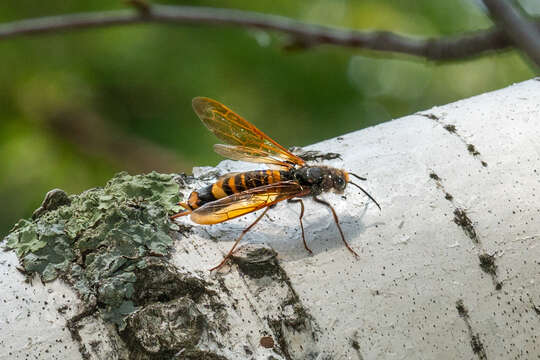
x: 76, y: 107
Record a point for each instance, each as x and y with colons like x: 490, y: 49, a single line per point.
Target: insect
x: 237, y: 194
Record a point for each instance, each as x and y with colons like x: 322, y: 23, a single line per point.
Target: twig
x: 525, y: 34
x: 303, y: 35
x: 141, y: 5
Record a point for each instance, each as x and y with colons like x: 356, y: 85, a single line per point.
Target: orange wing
x: 245, y: 202
x: 244, y: 153
x: 246, y: 142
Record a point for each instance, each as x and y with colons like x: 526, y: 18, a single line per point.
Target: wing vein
x: 236, y: 131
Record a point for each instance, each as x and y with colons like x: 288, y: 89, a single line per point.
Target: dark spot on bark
x: 430, y: 116
x: 462, y: 220
x: 434, y: 176
x: 462, y: 310
x: 450, y: 128
x: 185, y: 230
x: 247, y: 350
x: 476, y: 344
x: 223, y: 287
x: 267, y: 342
x: 471, y: 149
x: 448, y: 196
x: 95, y: 345
x: 487, y: 263
x: 478, y: 347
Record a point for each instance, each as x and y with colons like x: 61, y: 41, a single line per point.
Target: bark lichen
x: 97, y: 240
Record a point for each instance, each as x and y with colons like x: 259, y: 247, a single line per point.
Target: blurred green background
x: 79, y: 106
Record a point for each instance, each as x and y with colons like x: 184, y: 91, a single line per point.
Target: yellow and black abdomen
x: 235, y: 183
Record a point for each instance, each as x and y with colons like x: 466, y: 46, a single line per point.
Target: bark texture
x: 448, y: 269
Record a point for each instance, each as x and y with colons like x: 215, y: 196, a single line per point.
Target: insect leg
x: 238, y: 240
x: 337, y: 223
x: 182, y: 213
x: 301, y: 224
x: 184, y: 205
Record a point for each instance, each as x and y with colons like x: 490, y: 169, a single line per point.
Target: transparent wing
x: 234, y: 130
x: 245, y: 202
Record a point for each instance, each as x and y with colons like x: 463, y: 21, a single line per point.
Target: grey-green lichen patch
x: 99, y: 239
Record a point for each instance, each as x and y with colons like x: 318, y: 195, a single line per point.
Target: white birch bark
x: 449, y: 269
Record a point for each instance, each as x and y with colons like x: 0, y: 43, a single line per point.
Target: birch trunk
x: 449, y: 269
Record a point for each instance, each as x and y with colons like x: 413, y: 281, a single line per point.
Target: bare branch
x: 522, y: 32
x: 141, y: 5
x: 303, y: 35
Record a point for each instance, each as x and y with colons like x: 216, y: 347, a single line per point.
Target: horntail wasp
x: 237, y: 194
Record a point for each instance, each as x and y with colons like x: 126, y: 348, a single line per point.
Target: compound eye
x: 340, y: 182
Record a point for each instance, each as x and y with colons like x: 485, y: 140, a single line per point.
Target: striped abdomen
x: 235, y: 183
